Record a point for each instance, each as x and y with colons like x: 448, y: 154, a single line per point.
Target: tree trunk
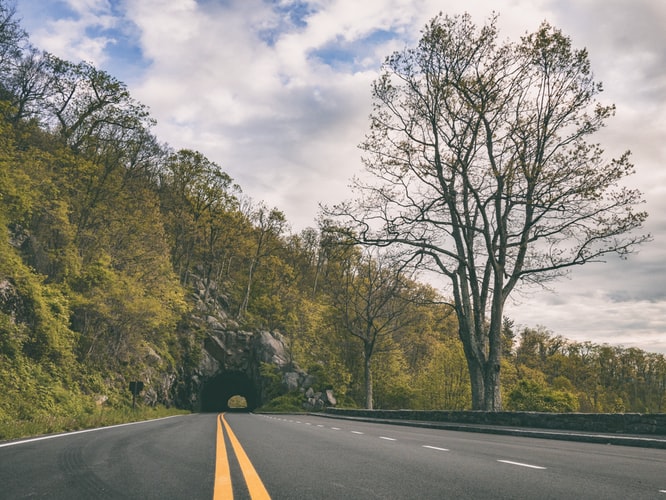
x: 484, y: 369
x: 477, y: 381
x: 492, y: 397
x: 246, y: 298
x: 492, y: 392
x: 368, y: 381
x: 474, y: 353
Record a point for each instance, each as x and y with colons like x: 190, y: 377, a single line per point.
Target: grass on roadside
x: 102, y: 417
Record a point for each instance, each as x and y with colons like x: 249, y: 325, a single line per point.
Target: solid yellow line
x: 222, y: 489
x: 254, y: 484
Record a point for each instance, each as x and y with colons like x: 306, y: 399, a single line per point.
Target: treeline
x: 550, y: 373
x: 106, y: 231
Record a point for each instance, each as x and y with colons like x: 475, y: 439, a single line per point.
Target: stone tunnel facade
x: 232, y: 359
x: 232, y: 366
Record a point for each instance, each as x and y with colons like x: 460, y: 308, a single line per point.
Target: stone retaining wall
x: 625, y: 423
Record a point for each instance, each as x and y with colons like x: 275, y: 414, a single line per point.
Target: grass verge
x: 102, y: 417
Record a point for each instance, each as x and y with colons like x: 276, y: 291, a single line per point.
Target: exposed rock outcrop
x: 315, y: 401
x: 237, y: 354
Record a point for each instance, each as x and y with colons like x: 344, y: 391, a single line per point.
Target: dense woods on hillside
x: 105, y: 230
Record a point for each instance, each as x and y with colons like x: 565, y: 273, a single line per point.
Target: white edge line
x: 521, y: 464
x: 435, y: 448
x: 53, y: 436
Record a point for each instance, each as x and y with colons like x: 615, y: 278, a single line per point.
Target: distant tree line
x: 551, y: 373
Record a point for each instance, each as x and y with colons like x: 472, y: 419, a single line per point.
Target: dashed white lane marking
x: 356, y: 432
x: 519, y: 464
x: 387, y: 438
x: 435, y: 448
x: 662, y: 491
x: 319, y: 425
x: 335, y: 428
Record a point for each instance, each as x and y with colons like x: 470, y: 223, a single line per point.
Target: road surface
x: 206, y: 456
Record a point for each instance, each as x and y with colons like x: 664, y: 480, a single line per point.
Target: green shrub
x: 292, y: 402
x: 529, y: 395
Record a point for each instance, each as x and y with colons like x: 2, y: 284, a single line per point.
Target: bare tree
x: 483, y: 173
x: 372, y: 303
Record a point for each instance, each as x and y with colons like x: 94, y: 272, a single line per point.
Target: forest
x: 106, y: 230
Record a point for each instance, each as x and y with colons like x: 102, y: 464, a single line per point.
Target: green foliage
x: 443, y: 383
x: 328, y: 376
x: 237, y: 402
x: 97, y: 417
x: 603, y: 378
x: 291, y: 402
x: 272, y: 379
x: 532, y: 396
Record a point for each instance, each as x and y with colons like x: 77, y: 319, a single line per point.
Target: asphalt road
x: 166, y: 458
x: 308, y: 457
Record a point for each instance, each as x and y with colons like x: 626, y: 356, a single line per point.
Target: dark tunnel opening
x: 217, y: 391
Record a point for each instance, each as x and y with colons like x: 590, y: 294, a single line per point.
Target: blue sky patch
x: 292, y: 16
x: 341, y: 53
x: 297, y: 13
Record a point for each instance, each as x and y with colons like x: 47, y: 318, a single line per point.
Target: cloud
x: 78, y: 32
x: 93, y: 31
x: 277, y: 112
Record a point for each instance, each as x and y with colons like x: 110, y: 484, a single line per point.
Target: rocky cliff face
x: 232, y: 361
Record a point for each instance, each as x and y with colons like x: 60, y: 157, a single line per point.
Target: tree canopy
x: 482, y: 170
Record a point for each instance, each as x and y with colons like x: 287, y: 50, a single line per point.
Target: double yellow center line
x: 223, y: 488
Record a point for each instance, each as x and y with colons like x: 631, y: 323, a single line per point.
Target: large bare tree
x: 482, y: 171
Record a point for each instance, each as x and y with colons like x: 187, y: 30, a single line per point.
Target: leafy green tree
x: 532, y: 396
x: 392, y: 387
x: 268, y: 227
x: 89, y: 108
x: 444, y: 381
x: 199, y: 202
x: 484, y: 173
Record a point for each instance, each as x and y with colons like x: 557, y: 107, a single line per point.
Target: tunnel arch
x: 217, y: 391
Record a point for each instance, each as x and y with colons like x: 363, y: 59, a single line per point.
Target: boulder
x: 330, y: 398
x: 290, y: 381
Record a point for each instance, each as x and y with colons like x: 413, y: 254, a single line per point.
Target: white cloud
x: 81, y: 34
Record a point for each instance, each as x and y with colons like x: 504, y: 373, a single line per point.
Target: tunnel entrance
x: 217, y: 392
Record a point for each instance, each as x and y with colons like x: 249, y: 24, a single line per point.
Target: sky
x: 278, y: 94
